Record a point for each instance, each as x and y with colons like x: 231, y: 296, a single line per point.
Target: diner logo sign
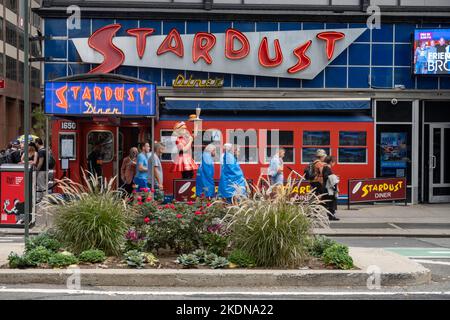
x: 89, y: 98
x: 374, y: 190
x: 289, y: 54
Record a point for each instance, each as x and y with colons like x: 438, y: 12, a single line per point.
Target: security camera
x: 394, y: 101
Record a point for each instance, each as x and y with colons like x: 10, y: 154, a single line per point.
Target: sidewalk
x: 431, y: 220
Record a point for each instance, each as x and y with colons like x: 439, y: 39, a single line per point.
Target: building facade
x: 315, y: 74
x: 11, y: 69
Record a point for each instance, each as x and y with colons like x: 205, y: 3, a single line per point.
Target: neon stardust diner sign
x: 289, y: 54
x: 89, y: 98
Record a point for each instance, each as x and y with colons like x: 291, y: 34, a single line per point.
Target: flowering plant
x: 134, y: 240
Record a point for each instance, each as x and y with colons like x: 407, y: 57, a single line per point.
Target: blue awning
x: 244, y: 104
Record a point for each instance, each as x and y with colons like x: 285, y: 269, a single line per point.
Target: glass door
x: 439, y: 163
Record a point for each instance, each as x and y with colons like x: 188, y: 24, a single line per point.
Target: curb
x: 395, y: 270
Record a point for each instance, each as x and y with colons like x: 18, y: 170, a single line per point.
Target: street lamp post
x: 26, y: 113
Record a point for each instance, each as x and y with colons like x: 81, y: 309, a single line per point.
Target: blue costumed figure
x: 205, y: 174
x: 232, y: 180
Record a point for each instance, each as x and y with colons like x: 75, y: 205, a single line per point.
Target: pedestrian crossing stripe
x: 422, y: 252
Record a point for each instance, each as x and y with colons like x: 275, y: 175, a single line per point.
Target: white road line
x: 218, y: 293
x: 439, y: 252
x: 432, y: 262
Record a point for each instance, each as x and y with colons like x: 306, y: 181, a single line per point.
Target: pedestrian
x: 331, y: 183
x: 14, y: 155
x: 276, y: 175
x: 95, y: 160
x: 314, y: 172
x: 33, y: 156
x: 141, y: 177
x: 41, y: 168
x: 128, y: 170
x: 232, y: 181
x: 155, y: 168
x: 205, y: 175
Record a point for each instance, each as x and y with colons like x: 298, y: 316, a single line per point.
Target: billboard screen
x: 90, y: 98
x: 431, y: 52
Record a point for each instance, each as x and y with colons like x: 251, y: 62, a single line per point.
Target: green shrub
x: 219, y: 262
x: 38, y: 255
x: 210, y: 257
x: 93, y: 216
x: 135, y: 259
x: 188, y: 260
x: 319, y: 244
x: 17, y: 261
x: 241, y: 259
x: 45, y: 240
x: 273, y: 227
x: 64, y: 259
x: 215, y: 242
x: 150, y: 259
x: 92, y: 256
x: 200, y: 254
x: 338, y: 256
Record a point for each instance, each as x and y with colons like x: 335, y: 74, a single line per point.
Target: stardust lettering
x: 202, y: 45
x: 382, y: 187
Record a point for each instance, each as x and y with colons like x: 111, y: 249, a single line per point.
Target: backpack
x: 310, y: 172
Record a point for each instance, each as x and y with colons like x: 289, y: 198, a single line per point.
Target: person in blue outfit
x: 141, y: 177
x: 205, y: 174
x: 276, y: 168
x: 232, y: 181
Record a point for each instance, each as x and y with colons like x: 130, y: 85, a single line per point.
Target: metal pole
x: 26, y: 98
x: 117, y: 158
x: 47, y: 153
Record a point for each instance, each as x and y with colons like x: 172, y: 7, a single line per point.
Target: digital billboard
x: 431, y: 52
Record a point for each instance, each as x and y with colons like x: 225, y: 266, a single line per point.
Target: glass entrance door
x: 439, y: 163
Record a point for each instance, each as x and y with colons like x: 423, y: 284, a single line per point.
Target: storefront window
x: 313, y: 140
x: 170, y: 143
x: 280, y: 139
x: 106, y: 140
x: 210, y: 136
x: 352, y: 147
x: 247, y: 143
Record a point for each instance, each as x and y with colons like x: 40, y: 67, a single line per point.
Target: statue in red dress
x: 184, y: 162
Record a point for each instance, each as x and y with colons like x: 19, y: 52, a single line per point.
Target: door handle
x: 433, y: 162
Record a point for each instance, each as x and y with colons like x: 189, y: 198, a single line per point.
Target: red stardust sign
x: 374, y: 190
x: 275, y: 53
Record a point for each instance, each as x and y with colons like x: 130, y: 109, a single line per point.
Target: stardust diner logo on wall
x: 89, y: 98
x: 289, y: 54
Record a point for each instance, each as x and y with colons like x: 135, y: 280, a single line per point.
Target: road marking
x: 432, y: 262
x: 441, y: 253
x: 219, y: 293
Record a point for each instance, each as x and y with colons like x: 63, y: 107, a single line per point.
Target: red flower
x: 146, y: 190
x: 139, y: 198
x: 167, y: 206
x: 141, y: 189
x: 172, y: 206
x: 179, y: 216
x: 147, y: 220
x: 149, y: 199
x: 198, y: 213
x: 159, y: 207
x: 152, y: 190
x: 134, y: 191
x: 190, y: 203
x: 209, y: 205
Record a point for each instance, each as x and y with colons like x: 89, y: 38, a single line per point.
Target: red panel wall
x: 252, y: 171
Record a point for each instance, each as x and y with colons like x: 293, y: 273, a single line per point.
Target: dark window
x: 20, y: 75
x: 11, y: 34
x: 1, y: 63
x: 35, y: 52
x: 388, y: 112
x: 21, y: 43
x: 1, y: 28
x: 350, y: 143
x: 36, y: 20
x: 12, y: 5
x: 11, y: 68
x: 313, y: 140
x: 277, y: 139
x: 247, y: 143
x: 352, y: 138
x: 35, y: 78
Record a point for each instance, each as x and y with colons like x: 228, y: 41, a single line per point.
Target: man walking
x: 141, y: 177
x: 276, y: 168
x: 155, y: 168
x: 41, y: 169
